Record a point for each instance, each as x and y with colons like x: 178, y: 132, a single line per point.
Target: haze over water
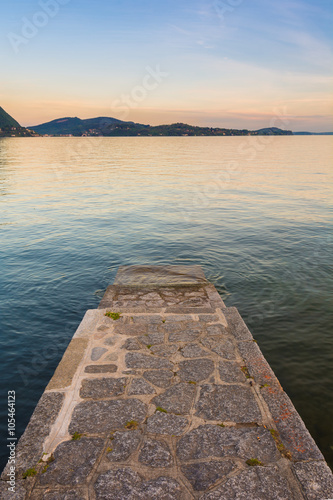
x: 255, y: 212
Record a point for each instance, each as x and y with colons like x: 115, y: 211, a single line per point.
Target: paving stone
x: 204, y: 475
x: 97, y: 353
x: 152, y: 338
x: 97, y: 388
x: 195, y: 370
x: 164, y: 350
x: 177, y: 399
x: 236, y: 325
x: 213, y: 441
x: 161, y: 378
x: 132, y: 344
x: 100, y: 369
x: 80, y: 454
x: 187, y: 334
x: 155, y: 454
x: 101, y: 417
x: 316, y: 479
x: 30, y: 447
x: 110, y: 341
x: 148, y: 319
x: 256, y: 483
x: 138, y: 360
x: 123, y: 444
x: 193, y: 351
x: 209, y: 318
x: 222, y: 347
x: 216, y: 330
x: 126, y: 484
x: 293, y: 433
x: 228, y: 403
x: 231, y: 372
x: 139, y: 386
x: 175, y: 318
x: 166, y: 423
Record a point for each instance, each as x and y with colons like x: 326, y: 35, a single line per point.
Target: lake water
x: 253, y: 211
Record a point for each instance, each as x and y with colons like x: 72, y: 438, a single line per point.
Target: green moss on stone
x: 29, y: 473
x: 112, y: 315
x: 253, y: 462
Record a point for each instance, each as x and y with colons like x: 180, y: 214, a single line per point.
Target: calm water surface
x: 254, y: 212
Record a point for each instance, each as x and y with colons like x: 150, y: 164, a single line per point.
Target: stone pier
x: 164, y: 394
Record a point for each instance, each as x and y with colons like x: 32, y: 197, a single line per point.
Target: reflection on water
x: 254, y: 212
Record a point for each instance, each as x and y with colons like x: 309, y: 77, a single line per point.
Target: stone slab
x: 70, y: 362
x: 159, y: 275
x: 30, y: 447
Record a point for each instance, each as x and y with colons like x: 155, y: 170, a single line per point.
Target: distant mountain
x: 11, y: 128
x: 7, y: 121
x: 77, y: 127
x: 111, y: 127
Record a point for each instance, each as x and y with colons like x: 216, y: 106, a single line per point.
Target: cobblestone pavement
x: 173, y: 399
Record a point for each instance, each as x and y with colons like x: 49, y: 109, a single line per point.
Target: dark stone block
x: 231, y: 372
x: 140, y: 386
x: 195, y: 370
x: 155, y: 338
x: 80, y: 454
x: 164, y: 350
x: 204, y: 475
x: 146, y: 361
x: 161, y: 378
x: 256, y: 483
x: 193, y: 351
x: 155, y: 454
x: 177, y: 399
x: 102, y: 417
x: 221, y: 346
x: 213, y: 441
x: 126, y: 484
x: 123, y: 444
x: 132, y: 344
x: 97, y: 388
x: 166, y: 423
x: 228, y: 403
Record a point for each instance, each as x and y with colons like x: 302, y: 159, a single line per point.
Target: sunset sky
x: 222, y: 63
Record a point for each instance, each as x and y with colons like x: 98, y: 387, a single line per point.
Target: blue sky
x: 228, y: 63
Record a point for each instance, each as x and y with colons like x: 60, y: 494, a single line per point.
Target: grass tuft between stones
x: 29, y: 473
x: 112, y: 315
x: 253, y: 462
x: 246, y: 371
x: 131, y: 425
x: 280, y: 446
x: 76, y: 436
x: 162, y: 410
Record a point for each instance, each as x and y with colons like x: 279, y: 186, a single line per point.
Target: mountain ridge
x: 112, y: 127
